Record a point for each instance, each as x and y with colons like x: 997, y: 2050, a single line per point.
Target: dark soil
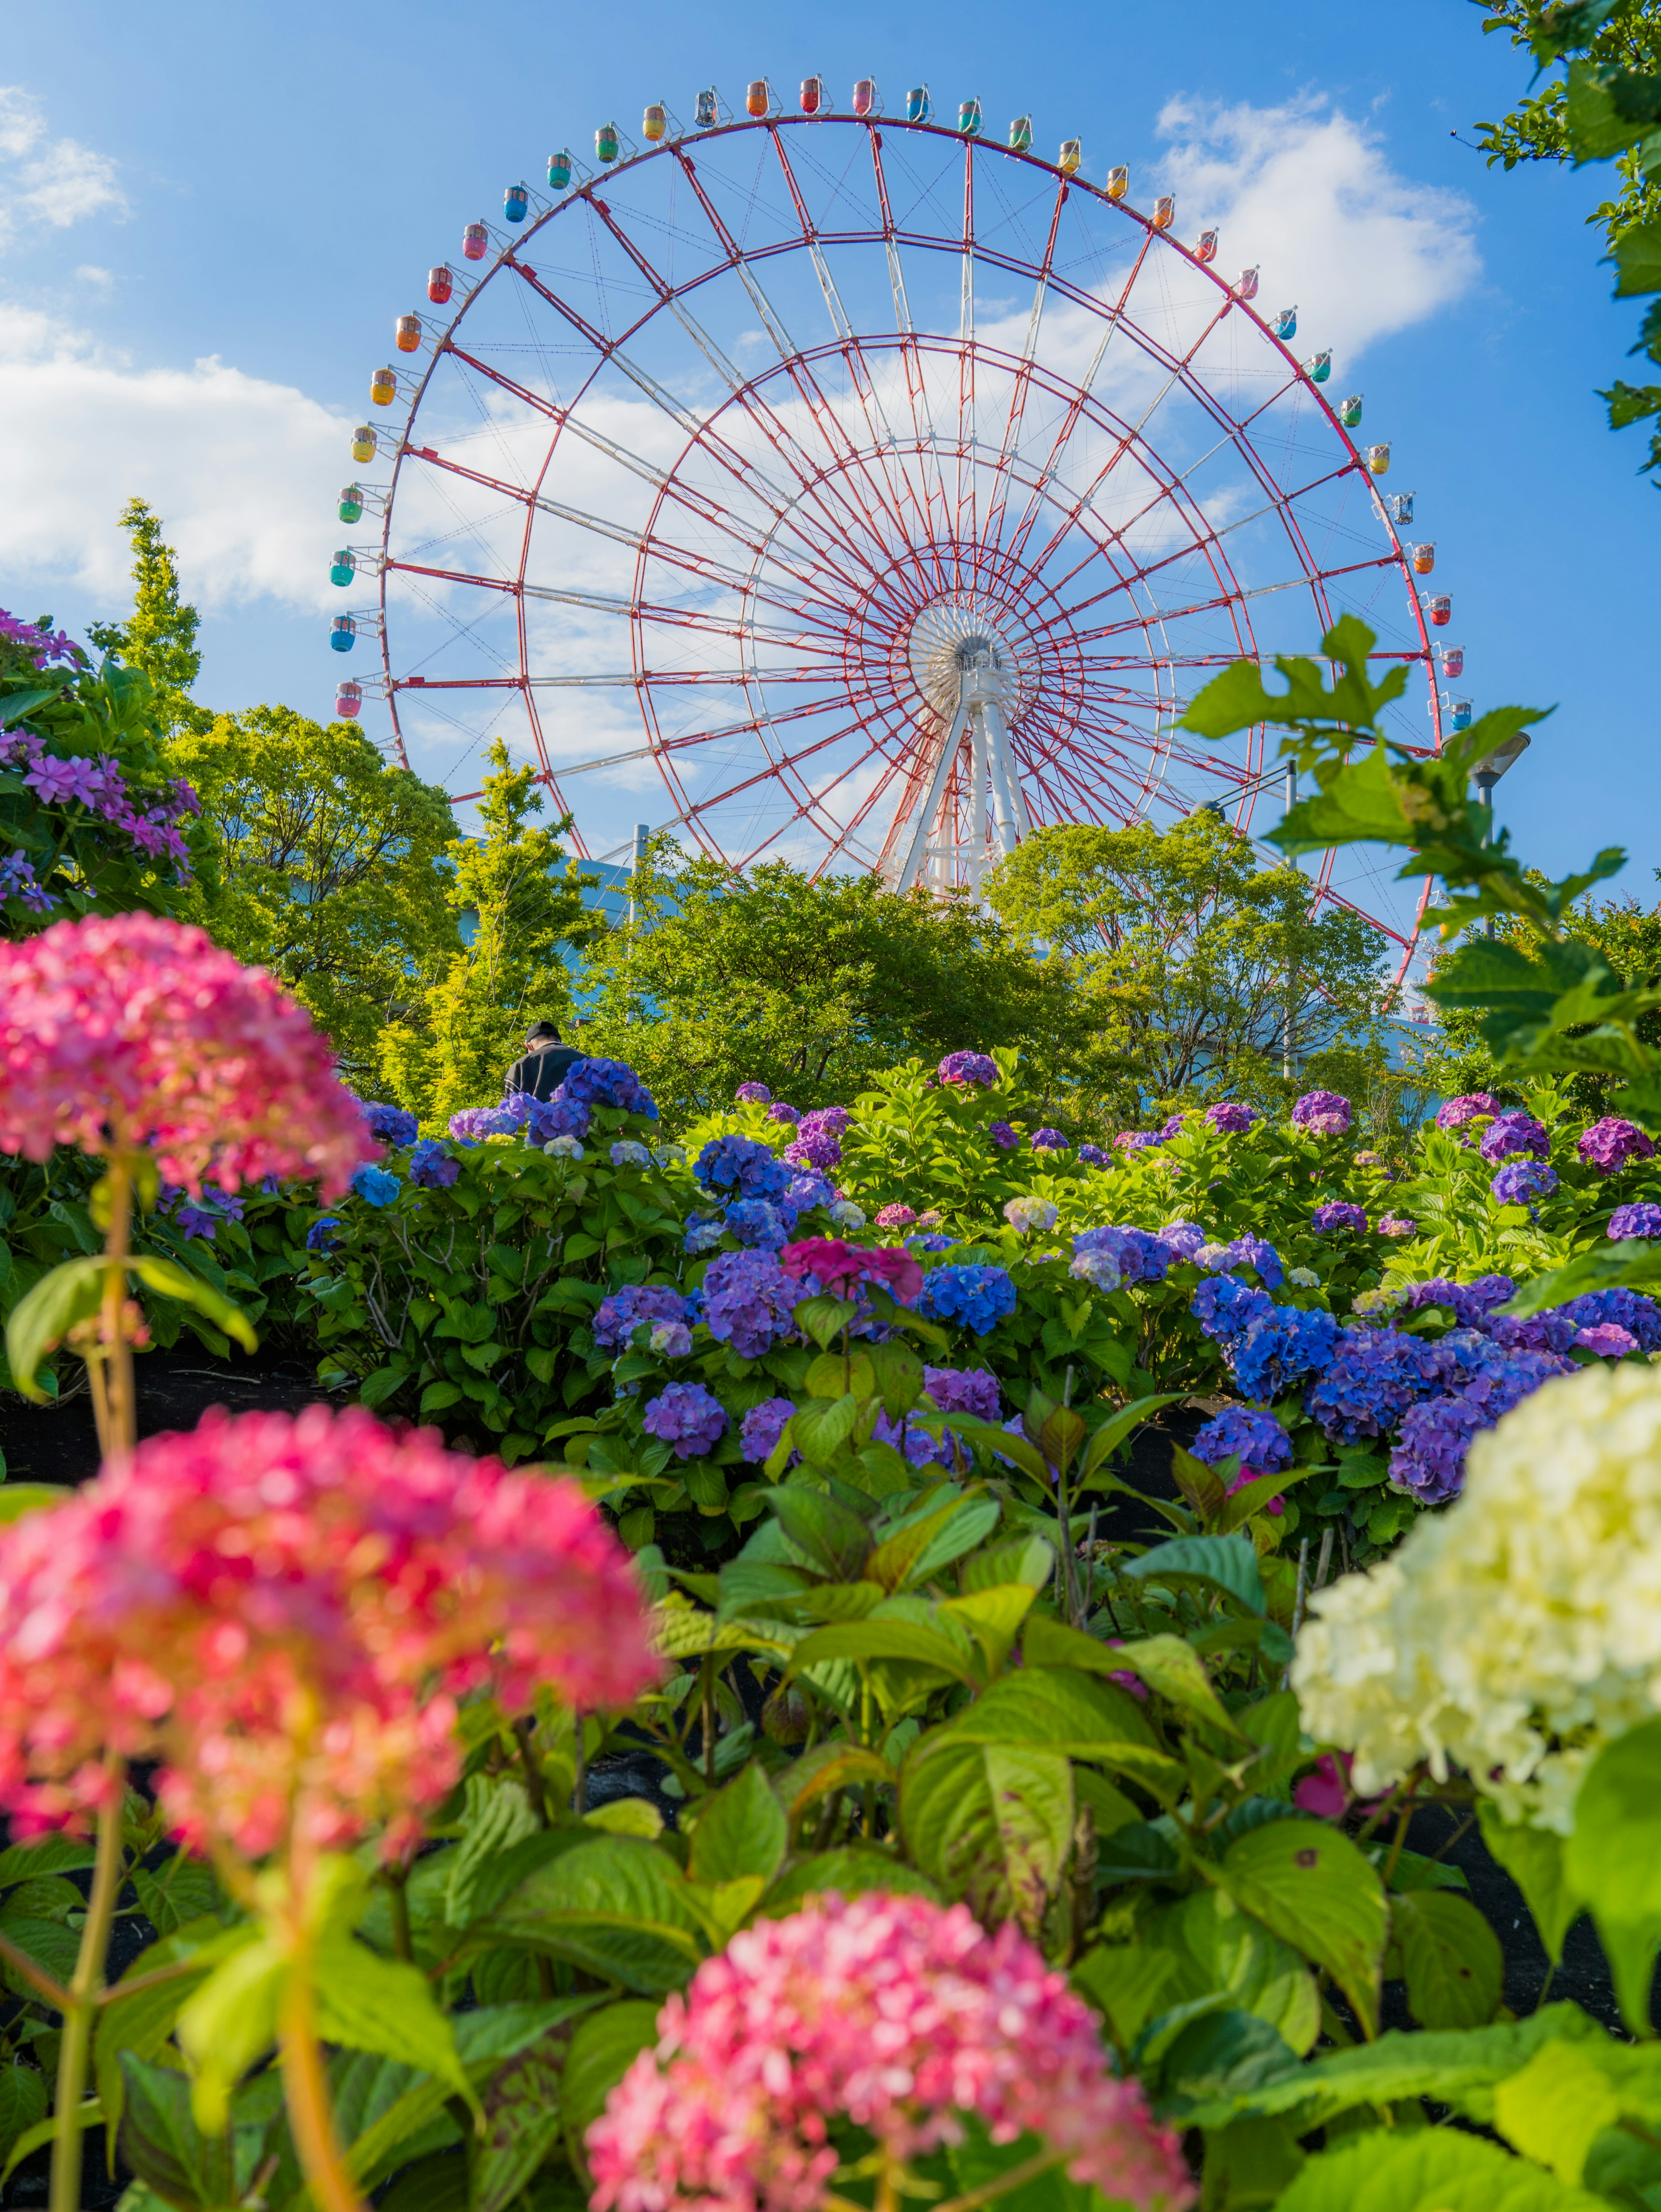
x: 58, y: 1443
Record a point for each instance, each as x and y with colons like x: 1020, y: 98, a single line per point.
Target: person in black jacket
x: 543, y: 1065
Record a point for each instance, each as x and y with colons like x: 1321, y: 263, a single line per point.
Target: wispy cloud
x: 43, y: 179
x: 1310, y: 193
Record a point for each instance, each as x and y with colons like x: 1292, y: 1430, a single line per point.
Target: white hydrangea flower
x: 1304, y: 1277
x: 669, y: 1156
x: 1518, y: 1633
x: 626, y: 1153
x: 847, y: 1215
x: 563, y: 1148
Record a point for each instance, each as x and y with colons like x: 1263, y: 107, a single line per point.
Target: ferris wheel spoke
x: 917, y: 382
x: 1305, y: 582
x: 1022, y: 384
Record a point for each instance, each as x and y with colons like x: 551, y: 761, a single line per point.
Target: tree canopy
x: 1194, y: 967
x: 159, y: 637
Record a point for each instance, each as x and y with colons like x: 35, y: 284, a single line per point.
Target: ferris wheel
x: 849, y: 488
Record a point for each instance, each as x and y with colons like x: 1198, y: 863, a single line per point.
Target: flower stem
x: 306, y: 2088
x: 83, y: 1990
x: 123, y: 1409
x: 1002, y: 2184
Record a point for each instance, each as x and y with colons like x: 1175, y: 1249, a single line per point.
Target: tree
x: 1194, y: 966
x: 808, y: 986
x: 331, y: 868
x: 159, y: 637
x: 1606, y: 106
x: 522, y: 900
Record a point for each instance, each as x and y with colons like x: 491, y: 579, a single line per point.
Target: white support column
x: 916, y: 851
x: 975, y: 855
x: 1001, y: 761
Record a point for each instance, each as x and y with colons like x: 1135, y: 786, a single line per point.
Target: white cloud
x: 43, y: 179
x: 1310, y: 194
x: 90, y: 273
x: 238, y: 469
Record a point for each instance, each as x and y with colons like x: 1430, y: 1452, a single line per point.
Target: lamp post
x: 1489, y: 773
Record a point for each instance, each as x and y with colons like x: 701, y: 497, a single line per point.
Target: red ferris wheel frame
x: 885, y: 532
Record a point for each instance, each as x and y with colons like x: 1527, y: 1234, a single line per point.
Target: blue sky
x: 209, y: 217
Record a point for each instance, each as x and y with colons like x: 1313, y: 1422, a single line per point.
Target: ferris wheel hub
x: 958, y: 645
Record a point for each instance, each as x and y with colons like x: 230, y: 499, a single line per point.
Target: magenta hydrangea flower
x: 1328, y: 1220
x: 59, y: 780
x: 1642, y: 1219
x: 687, y: 1418
x: 969, y: 1067
x: 1610, y: 1144
x: 1231, y: 1116
x: 1518, y: 1132
x: 753, y: 1094
x: 1324, y: 1112
x: 1455, y: 1113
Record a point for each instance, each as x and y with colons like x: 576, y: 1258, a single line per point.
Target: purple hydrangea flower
x: 1554, y: 1330
x: 804, y: 1191
x: 836, y: 1119
x: 477, y: 1122
x: 1324, y: 1112
x: 963, y: 1390
x: 375, y: 1186
x: 1134, y: 1141
x: 1469, y: 1303
x: 58, y: 780
x: 1642, y: 1219
x: 1173, y: 1124
x: 1374, y: 1377
x: 748, y: 1302
x: 391, y: 1124
x: 974, y: 1298
x: 1255, y: 1439
x: 753, y: 1170
x: 1230, y: 1117
x: 968, y: 1067
x: 816, y: 1149
x: 1184, y: 1238
x: 754, y: 1222
x: 686, y: 1417
x: 1513, y: 1134
x: 1521, y: 1182
x: 1397, y: 1225
x: 1090, y: 1156
x: 1328, y: 1220
x: 1049, y: 1141
x: 778, y: 1111
x: 1629, y: 1309
x: 929, y: 1244
x: 433, y: 1165
x: 1610, y: 1143
x: 1607, y: 1340
x: 1454, y: 1113
x: 621, y: 1314
x: 611, y: 1083
x: 753, y: 1094
x: 1003, y: 1136
x: 1429, y: 1458
x: 18, y: 881
x: 1140, y: 1258
x: 557, y: 1117
x: 762, y: 1427
x: 1244, y: 1251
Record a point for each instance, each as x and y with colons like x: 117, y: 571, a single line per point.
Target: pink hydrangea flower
x: 894, y: 2013
x: 285, y: 1611
x: 125, y: 1032
x: 896, y: 1217
x: 841, y: 1267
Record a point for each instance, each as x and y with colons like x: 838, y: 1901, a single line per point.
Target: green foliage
x: 467, y: 1017
x: 330, y: 869
x: 1198, y: 973
x: 158, y: 639
x: 810, y: 986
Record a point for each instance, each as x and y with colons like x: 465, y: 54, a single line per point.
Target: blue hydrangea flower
x: 1184, y: 1238
x: 1326, y: 1220
x: 1273, y: 1355
x: 1225, y: 1308
x: 1049, y: 1141
x: 1374, y: 1377
x: 703, y: 1232
x: 1092, y: 1156
x: 375, y: 1186
x: 320, y: 1236
x: 1255, y: 1439
x: 1521, y: 1182
x: 557, y: 1117
x: 1244, y: 1251
x: 748, y: 1302
x: 472, y: 1125
x: 391, y: 1124
x: 612, y: 1082
x: 753, y: 1221
x: 762, y: 1427
x: 687, y: 1418
x: 804, y: 1192
x: 1629, y: 1309
x: 1515, y: 1133
x: 929, y: 1242
x: 1429, y: 1458
x: 621, y: 1314
x: 433, y: 1165
x: 974, y: 1298
x: 743, y: 1166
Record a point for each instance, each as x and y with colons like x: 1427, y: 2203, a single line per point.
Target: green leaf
x: 1114, y: 1432
x: 1059, y: 1707
x: 383, y: 2005
x: 17, y: 1498
x: 1428, y: 2170
x: 1450, y: 1959
x: 1613, y: 1861
x: 1222, y: 2054
x: 42, y: 2132
x: 230, y: 2019
x: 1228, y: 1564
x: 828, y: 1767
x: 1637, y: 258
x: 1172, y: 1667
x: 177, y: 1282
x: 616, y: 1907
x: 45, y: 1314
x: 851, y: 1871
x: 740, y: 1831
x: 522, y: 2123
x: 23, y: 2102
x: 162, y: 2144
x: 829, y: 1532
x: 603, y: 2049
x: 885, y: 1639
x: 989, y: 1822
x: 1533, y: 1857
x: 142, y: 2022
x: 1216, y: 1947
x: 824, y: 1318
x: 1310, y: 1886
x: 1556, y: 2107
